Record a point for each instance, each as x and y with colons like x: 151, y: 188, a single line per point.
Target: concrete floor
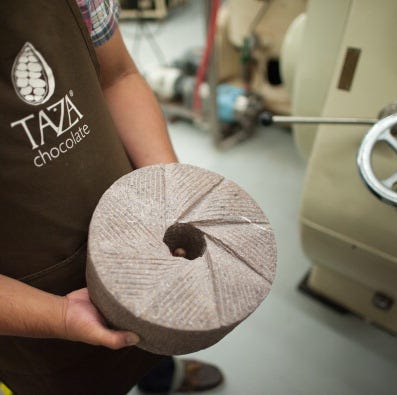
x: 291, y: 345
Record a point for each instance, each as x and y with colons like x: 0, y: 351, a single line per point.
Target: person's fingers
x: 115, y: 339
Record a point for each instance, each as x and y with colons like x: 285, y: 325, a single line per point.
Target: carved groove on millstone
x: 214, y: 287
x: 184, y: 188
x: 252, y: 247
x: 228, y: 285
x: 215, y: 222
x: 189, y: 209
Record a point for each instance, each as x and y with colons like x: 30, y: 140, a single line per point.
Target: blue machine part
x: 226, y: 96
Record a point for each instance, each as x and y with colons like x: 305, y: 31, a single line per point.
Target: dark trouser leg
x: 160, y: 378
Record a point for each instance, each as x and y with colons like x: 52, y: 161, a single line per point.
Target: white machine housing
x: 345, y: 66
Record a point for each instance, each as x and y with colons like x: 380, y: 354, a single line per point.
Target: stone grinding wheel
x: 178, y: 305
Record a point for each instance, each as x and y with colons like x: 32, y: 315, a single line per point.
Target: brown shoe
x: 199, y: 376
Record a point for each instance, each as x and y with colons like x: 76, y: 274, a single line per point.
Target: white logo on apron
x: 32, y: 77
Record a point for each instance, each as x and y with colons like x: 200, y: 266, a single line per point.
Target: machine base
x: 345, y: 295
x: 304, y: 287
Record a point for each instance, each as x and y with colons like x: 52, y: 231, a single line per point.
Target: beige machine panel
x: 345, y: 229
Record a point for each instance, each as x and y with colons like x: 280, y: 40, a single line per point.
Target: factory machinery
x: 327, y: 69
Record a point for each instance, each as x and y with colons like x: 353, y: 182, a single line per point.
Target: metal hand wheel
x: 381, y: 131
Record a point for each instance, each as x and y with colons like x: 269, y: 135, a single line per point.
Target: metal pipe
x: 343, y: 121
x: 212, y: 76
x: 267, y: 119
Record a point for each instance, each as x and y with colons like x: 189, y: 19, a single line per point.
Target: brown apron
x: 58, y: 153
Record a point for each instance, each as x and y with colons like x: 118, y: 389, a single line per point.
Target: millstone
x: 179, y: 255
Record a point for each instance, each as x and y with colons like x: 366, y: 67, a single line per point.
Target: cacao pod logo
x: 32, y: 77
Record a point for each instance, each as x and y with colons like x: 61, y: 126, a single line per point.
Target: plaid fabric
x: 100, y: 17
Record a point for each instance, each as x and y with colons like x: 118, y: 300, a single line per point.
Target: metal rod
x: 212, y: 82
x: 317, y: 120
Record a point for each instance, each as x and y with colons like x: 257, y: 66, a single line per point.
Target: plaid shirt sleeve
x: 100, y: 17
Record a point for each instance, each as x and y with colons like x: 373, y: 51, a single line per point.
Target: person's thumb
x: 116, y: 339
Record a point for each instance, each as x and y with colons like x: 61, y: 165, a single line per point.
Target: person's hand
x: 84, y: 323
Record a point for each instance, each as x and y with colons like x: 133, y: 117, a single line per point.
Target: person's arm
x: 134, y: 108
x: 28, y: 312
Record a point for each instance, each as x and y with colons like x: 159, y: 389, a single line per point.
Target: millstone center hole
x: 185, y: 240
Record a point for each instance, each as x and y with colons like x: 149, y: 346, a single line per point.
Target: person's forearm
x: 27, y: 311
x: 133, y: 106
x: 139, y: 121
